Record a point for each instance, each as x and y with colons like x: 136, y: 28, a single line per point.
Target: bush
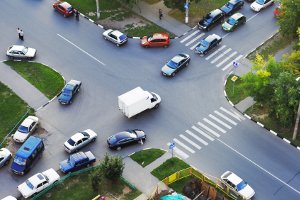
x: 112, y: 167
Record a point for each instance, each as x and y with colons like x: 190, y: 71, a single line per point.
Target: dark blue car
x: 232, y: 6
x: 77, y: 161
x: 69, y: 91
x: 208, y: 44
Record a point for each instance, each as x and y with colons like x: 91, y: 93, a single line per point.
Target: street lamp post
x: 98, y: 12
x: 297, y: 118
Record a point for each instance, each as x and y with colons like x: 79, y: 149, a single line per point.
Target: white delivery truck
x: 137, y: 100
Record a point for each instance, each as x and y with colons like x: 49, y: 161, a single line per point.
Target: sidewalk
x: 150, y: 12
x: 32, y: 96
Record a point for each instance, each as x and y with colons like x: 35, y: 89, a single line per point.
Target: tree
x: 289, y: 17
x: 112, y: 167
x: 97, y: 180
x: 175, y: 4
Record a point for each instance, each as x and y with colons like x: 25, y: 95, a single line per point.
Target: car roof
x: 177, y: 58
x: 210, y: 38
x: 160, y: 36
x: 27, y: 122
x: 65, y: 4
x: 37, y: 179
x: 234, y: 1
x: 236, y: 16
x: 117, y: 33
x: 234, y: 178
x: 215, y: 12
x: 17, y: 47
x: 77, y: 136
x: 78, y: 156
x: 29, y: 146
x: 122, y: 135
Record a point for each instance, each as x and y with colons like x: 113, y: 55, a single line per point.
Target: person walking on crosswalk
x: 21, y: 35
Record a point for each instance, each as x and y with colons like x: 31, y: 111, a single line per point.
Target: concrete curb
x: 258, y: 123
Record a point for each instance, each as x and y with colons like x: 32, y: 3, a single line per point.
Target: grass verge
x: 145, y: 30
x: 169, y: 167
x: 234, y: 90
x: 45, y: 79
x: 12, y: 108
x: 79, y: 187
x: 178, y: 185
x: 147, y: 156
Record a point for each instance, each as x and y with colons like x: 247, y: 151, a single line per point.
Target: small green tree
x: 112, y: 167
x: 97, y: 179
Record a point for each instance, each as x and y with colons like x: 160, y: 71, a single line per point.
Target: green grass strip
x: 147, y: 156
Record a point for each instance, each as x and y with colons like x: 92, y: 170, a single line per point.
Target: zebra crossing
x: 223, y: 56
x: 204, y: 132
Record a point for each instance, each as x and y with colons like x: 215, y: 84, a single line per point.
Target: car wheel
x: 65, y: 15
x: 165, y: 46
x: 156, y: 106
x: 6, y: 162
x: 187, y: 64
x: 118, y: 44
x: 105, y: 38
x: 94, y: 139
x: 118, y: 148
x: 173, y: 74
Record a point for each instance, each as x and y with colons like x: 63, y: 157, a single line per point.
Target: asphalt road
x: 192, y: 107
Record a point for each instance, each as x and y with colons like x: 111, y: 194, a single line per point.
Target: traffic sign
x: 172, y: 145
x: 235, y: 64
x: 186, y: 5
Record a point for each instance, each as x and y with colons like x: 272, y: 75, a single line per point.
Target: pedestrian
x: 19, y: 31
x: 76, y: 14
x: 21, y: 34
x: 160, y: 14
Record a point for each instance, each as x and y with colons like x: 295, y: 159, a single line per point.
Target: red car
x: 64, y: 8
x: 157, y: 40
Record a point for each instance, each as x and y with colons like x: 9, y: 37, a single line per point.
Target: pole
x: 98, y: 12
x: 187, y: 12
x: 296, y: 123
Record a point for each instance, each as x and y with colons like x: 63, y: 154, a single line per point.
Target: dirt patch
x: 124, y: 25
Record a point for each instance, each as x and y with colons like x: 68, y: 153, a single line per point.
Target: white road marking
x: 208, y: 129
x: 227, y: 58
x: 193, y: 47
x: 202, y: 133
x: 214, y: 53
x: 214, y: 125
x: 224, y: 117
x: 220, y: 56
x: 179, y: 152
x: 193, y: 40
x: 190, y: 141
x: 230, y: 64
x: 81, y: 49
x: 188, y: 37
x: 183, y: 145
x: 196, y: 137
x: 266, y: 171
x: 252, y: 17
x: 218, y: 120
x: 238, y: 117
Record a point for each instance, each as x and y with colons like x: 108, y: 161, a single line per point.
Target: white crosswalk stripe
x: 183, y: 145
x: 220, y: 56
x: 236, y: 116
x: 230, y: 64
x: 227, y: 58
x: 208, y: 129
x: 190, y: 141
x: 196, y: 137
x: 179, y: 152
x: 193, y: 47
x: 214, y: 125
x: 214, y: 53
x: 188, y: 37
x: 220, y: 121
x: 224, y: 117
x: 202, y: 133
x: 193, y: 40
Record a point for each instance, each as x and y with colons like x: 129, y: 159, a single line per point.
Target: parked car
x: 258, y: 5
x: 5, y: 156
x: 121, y: 139
x: 69, y: 91
x: 64, y: 8
x: 79, y: 140
x: 38, y: 182
x: 208, y: 44
x: 232, y: 6
x: 234, y: 22
x: 27, y: 127
x: 115, y: 36
x: 77, y: 161
x: 177, y: 63
x: 238, y: 184
x: 9, y: 198
x: 156, y: 40
x: 211, y: 19
x: 19, y: 51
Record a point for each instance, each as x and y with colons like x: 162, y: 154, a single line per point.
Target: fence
x: 219, y: 185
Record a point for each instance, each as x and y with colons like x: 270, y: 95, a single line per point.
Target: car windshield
x: 229, y: 5
x: 19, y: 160
x: 204, y: 43
x: 72, y: 161
x: 71, y: 142
x: 23, y: 129
x: 261, y: 2
x: 70, y: 9
x: 113, y: 139
x: 231, y: 21
x: 29, y: 184
x: 122, y: 37
x: 154, y: 96
x: 241, y: 185
x: 67, y: 92
x: 172, y: 64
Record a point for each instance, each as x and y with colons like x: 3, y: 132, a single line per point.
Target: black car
x: 211, y: 19
x: 68, y: 92
x: 118, y: 140
x: 207, y: 44
x: 177, y: 63
x: 232, y: 6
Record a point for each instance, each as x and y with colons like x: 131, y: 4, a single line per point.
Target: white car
x: 18, y: 51
x: 38, y: 182
x: 9, y: 198
x: 5, y: 156
x: 79, y: 140
x: 115, y: 36
x: 27, y: 127
x: 238, y: 184
x: 258, y: 5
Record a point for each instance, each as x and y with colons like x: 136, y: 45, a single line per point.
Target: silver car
x: 79, y: 140
x: 18, y: 51
x: 5, y: 156
x: 115, y: 36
